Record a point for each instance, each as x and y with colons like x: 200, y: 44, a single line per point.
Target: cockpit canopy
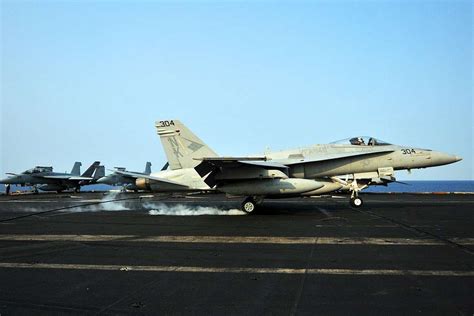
x: 362, y: 141
x: 38, y: 169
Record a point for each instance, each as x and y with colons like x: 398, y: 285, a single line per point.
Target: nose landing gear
x: 356, y: 201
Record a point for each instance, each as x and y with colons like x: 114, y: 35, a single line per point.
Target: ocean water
x: 409, y: 187
x: 425, y: 186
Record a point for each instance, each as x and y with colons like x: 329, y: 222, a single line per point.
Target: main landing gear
x: 250, y: 204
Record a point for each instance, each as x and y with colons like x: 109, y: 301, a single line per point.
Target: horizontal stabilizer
x: 152, y: 178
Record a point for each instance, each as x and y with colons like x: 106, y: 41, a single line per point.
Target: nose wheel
x: 356, y: 202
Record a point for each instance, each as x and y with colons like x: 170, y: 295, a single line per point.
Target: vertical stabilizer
x: 181, y: 145
x: 99, y: 172
x: 147, y: 168
x: 76, y: 169
x: 91, y: 169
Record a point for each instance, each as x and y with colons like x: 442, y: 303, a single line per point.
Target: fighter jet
x: 307, y: 171
x: 45, y: 179
x: 124, y: 180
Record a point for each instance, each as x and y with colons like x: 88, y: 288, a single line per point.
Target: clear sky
x: 85, y: 80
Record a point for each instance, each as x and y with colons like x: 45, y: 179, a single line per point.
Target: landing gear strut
x: 355, y: 201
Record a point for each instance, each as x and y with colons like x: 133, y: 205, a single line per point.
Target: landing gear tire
x: 356, y: 202
x: 248, y: 205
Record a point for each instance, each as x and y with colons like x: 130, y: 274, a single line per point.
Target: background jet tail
x: 147, y: 168
x: 99, y: 173
x: 181, y: 145
x: 76, y: 169
x: 165, y: 166
x: 88, y: 173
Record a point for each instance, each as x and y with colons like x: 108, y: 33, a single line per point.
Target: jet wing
x: 144, y: 176
x: 78, y: 178
x: 231, y: 162
x: 70, y: 178
x: 326, y: 157
x: 211, y: 167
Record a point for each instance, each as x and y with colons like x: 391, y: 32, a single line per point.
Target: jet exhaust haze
x: 183, y: 210
x: 108, y: 204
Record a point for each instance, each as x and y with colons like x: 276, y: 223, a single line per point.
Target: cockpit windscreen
x: 362, y: 141
x: 38, y: 169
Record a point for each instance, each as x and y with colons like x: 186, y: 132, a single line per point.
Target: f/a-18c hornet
x: 126, y: 181
x: 45, y: 179
x: 307, y: 171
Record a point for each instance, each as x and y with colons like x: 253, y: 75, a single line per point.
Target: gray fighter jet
x: 307, y: 171
x: 45, y: 179
x: 118, y: 178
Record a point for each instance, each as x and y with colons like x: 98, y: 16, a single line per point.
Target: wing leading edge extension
x: 326, y: 157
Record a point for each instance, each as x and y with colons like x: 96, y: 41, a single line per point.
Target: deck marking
x: 194, y: 269
x: 324, y: 211
x: 241, y: 239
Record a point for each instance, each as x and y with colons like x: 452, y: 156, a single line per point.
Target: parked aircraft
x: 45, y: 179
x: 127, y: 181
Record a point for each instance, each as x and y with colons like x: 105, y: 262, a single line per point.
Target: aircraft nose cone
x: 440, y: 158
x: 7, y: 181
x: 453, y: 158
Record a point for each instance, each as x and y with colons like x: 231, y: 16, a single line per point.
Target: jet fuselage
x: 313, y: 162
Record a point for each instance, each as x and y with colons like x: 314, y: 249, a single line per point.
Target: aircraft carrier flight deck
x: 96, y: 253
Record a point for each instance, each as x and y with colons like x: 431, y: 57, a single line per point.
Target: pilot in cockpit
x: 359, y: 141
